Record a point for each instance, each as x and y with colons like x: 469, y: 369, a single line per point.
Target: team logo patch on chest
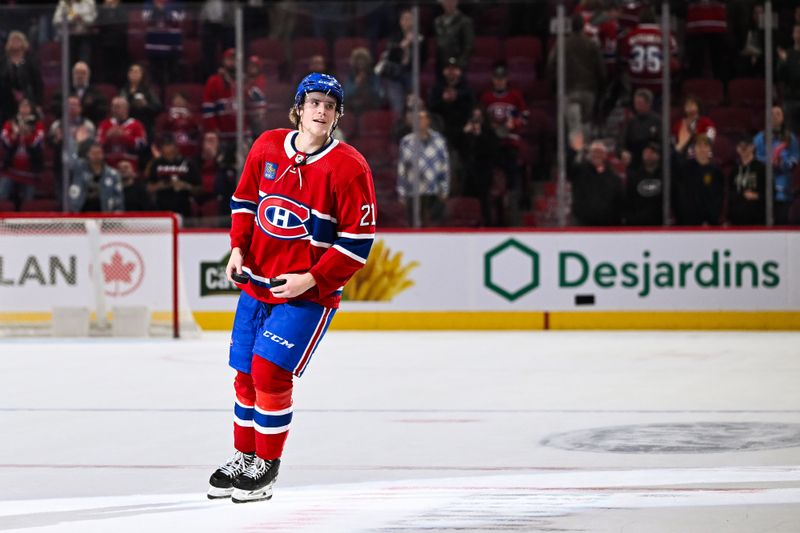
x: 270, y: 169
x: 283, y: 218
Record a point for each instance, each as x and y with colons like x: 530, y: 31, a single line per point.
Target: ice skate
x: 221, y: 481
x: 255, y: 484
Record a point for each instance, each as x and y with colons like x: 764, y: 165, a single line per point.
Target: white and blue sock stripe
x: 243, y: 414
x: 272, y: 422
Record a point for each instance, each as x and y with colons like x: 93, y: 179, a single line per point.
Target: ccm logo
x: 280, y: 340
x: 283, y: 218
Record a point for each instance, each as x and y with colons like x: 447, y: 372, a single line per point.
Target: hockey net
x: 96, y: 275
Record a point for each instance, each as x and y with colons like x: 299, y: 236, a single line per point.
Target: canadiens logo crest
x: 270, y: 169
x: 283, y: 218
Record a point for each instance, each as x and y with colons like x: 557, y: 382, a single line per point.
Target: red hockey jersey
x: 641, y: 50
x: 219, y: 106
x: 291, y: 216
x: 125, y: 146
x: 707, y: 16
x: 507, y: 112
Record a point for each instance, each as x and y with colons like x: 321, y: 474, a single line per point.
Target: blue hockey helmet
x: 322, y: 83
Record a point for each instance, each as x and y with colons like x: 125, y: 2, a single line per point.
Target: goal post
x: 97, y: 274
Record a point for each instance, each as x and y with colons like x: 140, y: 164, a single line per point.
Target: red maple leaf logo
x: 118, y: 270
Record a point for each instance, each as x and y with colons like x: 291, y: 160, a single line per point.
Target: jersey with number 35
x: 296, y: 213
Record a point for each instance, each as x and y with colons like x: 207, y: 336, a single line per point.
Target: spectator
x: 80, y: 15
x: 434, y: 172
x: 111, y: 29
x: 478, y: 151
x: 135, y: 193
x: 641, y: 52
x: 455, y: 36
x: 362, y: 86
x: 453, y: 100
x: 122, y: 136
x: 751, y: 57
x: 182, y: 123
x: 163, y: 38
x: 172, y: 179
x: 597, y: 197
x: 20, y: 77
x: 405, y: 125
x: 219, y: 100
x: 93, y: 103
x: 143, y: 102
x: 585, y: 77
x: 641, y: 129
x: 789, y: 75
x: 686, y: 129
x: 23, y: 139
x: 217, y: 172
x: 317, y: 63
x: 747, y: 198
x: 700, y: 186
x: 784, y: 155
x: 80, y: 136
x: 706, y: 31
x: 644, y: 196
x: 508, y: 114
x: 95, y: 186
x: 216, y: 32
x: 255, y: 91
x: 394, y: 66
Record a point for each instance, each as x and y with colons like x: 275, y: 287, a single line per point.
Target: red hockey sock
x: 272, y: 414
x: 244, y: 436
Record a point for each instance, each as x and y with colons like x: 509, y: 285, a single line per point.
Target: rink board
x: 531, y: 280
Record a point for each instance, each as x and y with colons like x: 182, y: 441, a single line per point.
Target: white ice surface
x: 402, y: 432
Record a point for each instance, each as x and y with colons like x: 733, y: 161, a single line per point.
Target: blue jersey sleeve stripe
x: 359, y: 247
x: 243, y: 207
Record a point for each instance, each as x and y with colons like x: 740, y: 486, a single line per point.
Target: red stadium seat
x: 376, y: 123
x: 40, y: 205
x: 724, y: 150
x: 488, y: 47
x: 192, y: 91
x: 6, y: 206
x: 108, y: 90
x: 749, y: 92
x: 343, y: 46
x: 269, y: 49
x: 348, y: 125
x: 463, y: 211
x: 380, y: 153
x: 708, y: 91
x: 279, y: 118
x: 392, y: 214
x: 732, y: 120
x: 280, y: 96
x: 524, y: 46
x: 305, y: 47
x: 540, y: 93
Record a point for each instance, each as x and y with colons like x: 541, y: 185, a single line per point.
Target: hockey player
x: 303, y: 224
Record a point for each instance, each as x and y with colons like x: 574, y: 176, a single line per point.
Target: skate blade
x: 244, y: 496
x: 216, y: 493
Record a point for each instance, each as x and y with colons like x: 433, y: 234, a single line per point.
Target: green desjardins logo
x: 719, y: 270
x: 213, y: 280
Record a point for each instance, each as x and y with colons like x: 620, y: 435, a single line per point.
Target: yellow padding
x: 396, y: 320
x: 667, y: 320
